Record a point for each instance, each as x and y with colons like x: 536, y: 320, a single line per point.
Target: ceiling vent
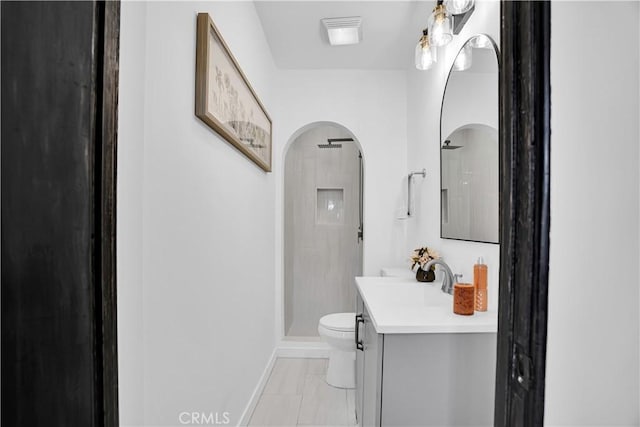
x: 343, y: 31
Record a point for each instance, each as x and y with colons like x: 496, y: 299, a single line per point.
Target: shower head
x: 332, y: 140
x: 330, y: 145
x: 446, y: 145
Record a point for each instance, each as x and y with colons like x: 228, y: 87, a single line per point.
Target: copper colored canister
x: 463, y: 298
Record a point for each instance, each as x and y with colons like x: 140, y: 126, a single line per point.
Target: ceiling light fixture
x: 448, y: 18
x: 460, y: 12
x: 343, y: 31
x: 439, y: 26
x: 458, y: 7
x: 425, y: 56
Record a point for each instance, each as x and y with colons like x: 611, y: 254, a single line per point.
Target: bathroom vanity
x: 417, y: 363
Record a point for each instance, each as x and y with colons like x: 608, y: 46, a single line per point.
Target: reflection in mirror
x: 469, y: 191
x: 469, y: 145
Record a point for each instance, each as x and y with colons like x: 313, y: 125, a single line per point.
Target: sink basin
x: 414, y: 294
x: 434, y: 297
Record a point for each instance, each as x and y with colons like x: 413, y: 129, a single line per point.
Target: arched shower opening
x: 323, y: 225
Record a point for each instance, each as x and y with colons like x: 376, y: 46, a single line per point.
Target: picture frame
x: 224, y: 98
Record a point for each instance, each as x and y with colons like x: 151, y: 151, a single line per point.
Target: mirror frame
x: 496, y: 50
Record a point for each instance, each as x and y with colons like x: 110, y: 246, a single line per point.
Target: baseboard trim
x: 310, y: 349
x: 257, y: 392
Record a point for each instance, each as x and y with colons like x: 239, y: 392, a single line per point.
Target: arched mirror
x: 469, y: 145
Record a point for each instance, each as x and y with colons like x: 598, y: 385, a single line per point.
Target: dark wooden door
x: 59, y: 88
x: 524, y: 212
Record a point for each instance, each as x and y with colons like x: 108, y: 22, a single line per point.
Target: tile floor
x: 296, y: 394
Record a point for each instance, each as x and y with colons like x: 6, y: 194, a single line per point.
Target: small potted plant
x: 420, y: 257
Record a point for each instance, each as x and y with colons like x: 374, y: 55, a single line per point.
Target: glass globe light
x: 424, y: 55
x: 439, y: 26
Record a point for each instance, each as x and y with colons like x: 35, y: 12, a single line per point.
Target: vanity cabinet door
x: 359, y: 362
x: 372, y: 385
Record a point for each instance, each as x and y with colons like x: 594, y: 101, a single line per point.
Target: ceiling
x: 390, y: 31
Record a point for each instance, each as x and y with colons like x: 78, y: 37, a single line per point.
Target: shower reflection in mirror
x: 469, y: 157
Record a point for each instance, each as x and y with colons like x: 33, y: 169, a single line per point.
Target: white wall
x: 196, y: 238
x: 424, y: 97
x: 592, y: 357
x: 129, y: 211
x: 372, y: 105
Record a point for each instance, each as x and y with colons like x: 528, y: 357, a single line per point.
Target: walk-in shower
x: 322, y: 226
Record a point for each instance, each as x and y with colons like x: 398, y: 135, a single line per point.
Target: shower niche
x: 322, y: 221
x: 330, y: 206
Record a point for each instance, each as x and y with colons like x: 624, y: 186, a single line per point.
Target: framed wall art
x: 225, y: 100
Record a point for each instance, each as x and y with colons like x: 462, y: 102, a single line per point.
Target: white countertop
x: 404, y: 306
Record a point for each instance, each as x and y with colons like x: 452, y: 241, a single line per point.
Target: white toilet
x: 338, y: 330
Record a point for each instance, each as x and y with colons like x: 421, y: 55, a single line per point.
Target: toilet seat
x: 339, y: 322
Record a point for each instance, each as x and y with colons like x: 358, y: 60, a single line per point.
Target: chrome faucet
x: 449, y: 277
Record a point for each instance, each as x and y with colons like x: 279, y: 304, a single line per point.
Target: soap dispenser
x: 480, y: 284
